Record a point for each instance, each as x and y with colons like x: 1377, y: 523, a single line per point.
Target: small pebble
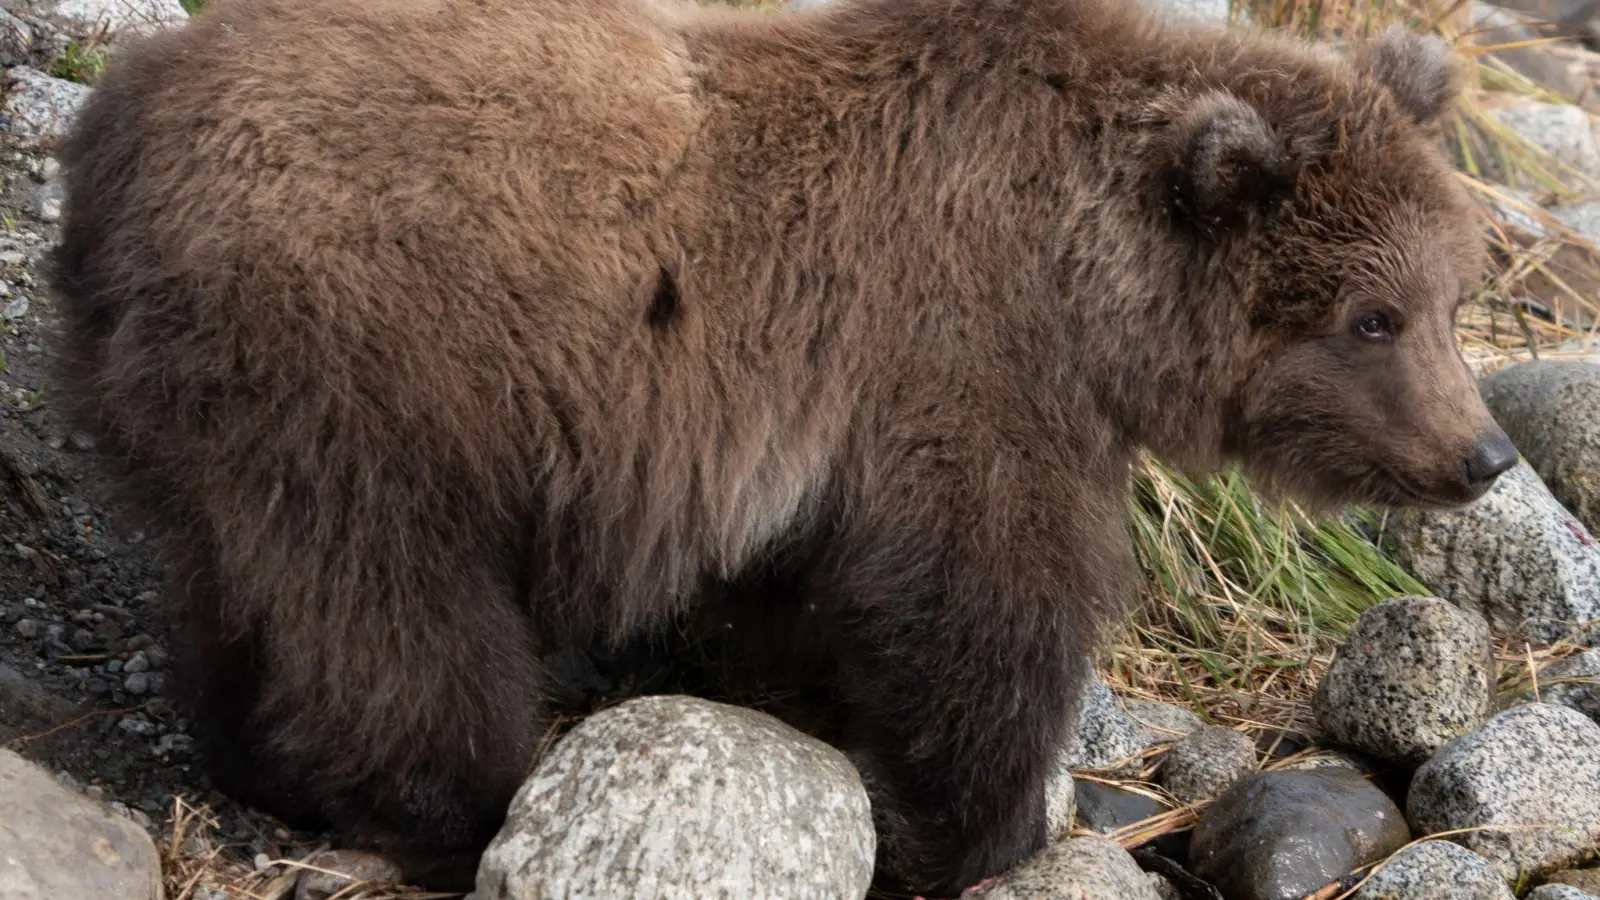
x: 1206, y: 763
x: 138, y: 662
x: 137, y: 684
x: 1559, y: 892
x: 1160, y: 722
x: 28, y: 628
x: 136, y: 726
x: 1587, y: 880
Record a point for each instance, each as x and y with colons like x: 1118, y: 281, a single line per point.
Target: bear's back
x: 327, y: 199
x: 318, y: 137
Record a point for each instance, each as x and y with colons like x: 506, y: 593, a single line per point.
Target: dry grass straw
x: 196, y: 867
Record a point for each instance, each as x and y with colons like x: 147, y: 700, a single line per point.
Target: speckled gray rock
x: 1060, y: 803
x: 1573, y: 682
x: 1104, y: 738
x: 1206, y: 763
x: 1551, y: 410
x: 1530, y: 766
x: 1583, y: 217
x: 1586, y: 880
x: 1414, y: 673
x: 1160, y: 723
x: 45, y: 204
x: 1437, y: 870
x: 1280, y: 835
x: 1164, y: 887
x: 39, y: 109
x: 1086, y: 868
x: 16, y: 40
x: 677, y: 796
x: 1559, y: 892
x: 1516, y: 556
x: 1560, y: 129
x: 56, y: 843
x: 115, y: 17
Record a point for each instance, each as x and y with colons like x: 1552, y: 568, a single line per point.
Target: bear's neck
x: 973, y: 199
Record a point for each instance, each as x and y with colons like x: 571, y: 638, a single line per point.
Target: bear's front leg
x: 963, y: 631
x: 955, y: 720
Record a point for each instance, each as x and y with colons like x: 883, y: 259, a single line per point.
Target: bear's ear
x: 1226, y: 162
x: 1419, y: 70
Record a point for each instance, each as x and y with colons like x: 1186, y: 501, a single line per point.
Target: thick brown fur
x: 442, y: 336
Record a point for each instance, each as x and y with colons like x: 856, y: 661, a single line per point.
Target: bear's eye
x: 1374, y: 325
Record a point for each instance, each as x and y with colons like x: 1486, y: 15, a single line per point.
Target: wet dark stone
x: 1280, y: 835
x: 1103, y: 808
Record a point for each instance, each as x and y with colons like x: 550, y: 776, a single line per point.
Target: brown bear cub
x: 438, y: 338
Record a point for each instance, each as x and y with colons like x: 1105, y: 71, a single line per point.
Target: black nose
x: 1491, y: 457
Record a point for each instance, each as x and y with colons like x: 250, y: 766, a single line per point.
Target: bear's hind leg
x: 407, y: 740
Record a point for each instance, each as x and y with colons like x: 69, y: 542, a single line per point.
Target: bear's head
x: 1358, y: 244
